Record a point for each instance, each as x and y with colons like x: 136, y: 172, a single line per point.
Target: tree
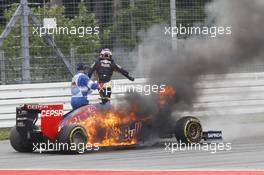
x: 43, y: 62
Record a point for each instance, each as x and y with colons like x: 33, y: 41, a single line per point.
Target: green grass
x: 4, y: 133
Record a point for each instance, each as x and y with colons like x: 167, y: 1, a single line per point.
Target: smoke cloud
x: 198, y: 55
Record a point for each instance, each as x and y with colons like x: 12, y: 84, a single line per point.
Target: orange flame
x: 167, y: 95
x: 111, y: 128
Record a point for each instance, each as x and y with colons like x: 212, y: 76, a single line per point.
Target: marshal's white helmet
x: 106, y: 53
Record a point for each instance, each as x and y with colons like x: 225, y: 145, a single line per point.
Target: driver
x: 104, y: 67
x: 80, y: 87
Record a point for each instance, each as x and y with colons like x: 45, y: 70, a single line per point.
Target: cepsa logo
x: 52, y: 111
x: 35, y: 106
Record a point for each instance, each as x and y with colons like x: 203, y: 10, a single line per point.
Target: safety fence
x: 78, y: 30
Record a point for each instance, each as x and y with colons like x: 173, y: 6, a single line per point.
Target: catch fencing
x: 26, y: 56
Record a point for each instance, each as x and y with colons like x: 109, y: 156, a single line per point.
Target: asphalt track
x: 245, y: 154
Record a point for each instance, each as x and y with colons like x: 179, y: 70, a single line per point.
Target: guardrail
x: 229, y: 94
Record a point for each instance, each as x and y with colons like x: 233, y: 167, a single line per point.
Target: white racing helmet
x: 106, y: 53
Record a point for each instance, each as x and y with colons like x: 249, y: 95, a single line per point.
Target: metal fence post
x: 173, y: 21
x: 72, y: 58
x: 2, y: 67
x: 25, y: 43
x: 133, y: 28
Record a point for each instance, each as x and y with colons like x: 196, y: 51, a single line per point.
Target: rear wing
x: 51, y: 116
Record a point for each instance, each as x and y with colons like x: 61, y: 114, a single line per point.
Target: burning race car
x: 91, y: 127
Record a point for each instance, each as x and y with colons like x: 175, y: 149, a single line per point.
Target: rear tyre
x: 19, y: 142
x: 72, y: 139
x: 188, y: 130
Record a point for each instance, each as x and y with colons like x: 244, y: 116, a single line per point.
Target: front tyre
x: 19, y: 142
x: 188, y: 130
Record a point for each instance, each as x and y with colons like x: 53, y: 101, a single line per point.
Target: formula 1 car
x: 91, y: 127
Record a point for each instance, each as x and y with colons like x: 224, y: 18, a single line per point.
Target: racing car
x: 93, y: 125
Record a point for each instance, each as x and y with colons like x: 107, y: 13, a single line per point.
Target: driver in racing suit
x: 104, y: 67
x: 80, y: 87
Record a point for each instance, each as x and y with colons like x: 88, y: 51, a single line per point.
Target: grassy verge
x: 4, y: 133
